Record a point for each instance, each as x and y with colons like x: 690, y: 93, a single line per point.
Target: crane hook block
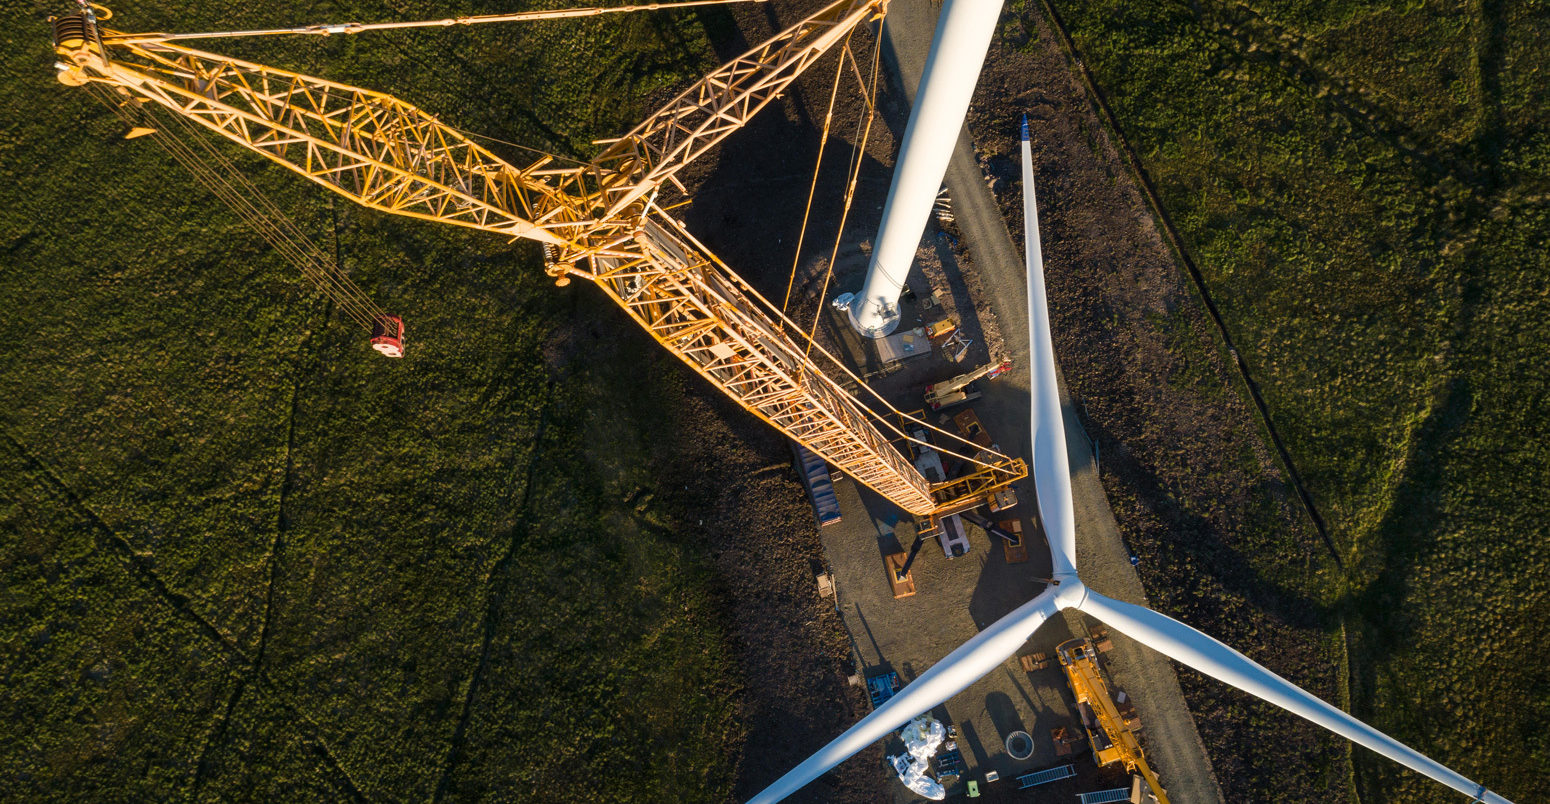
x: 387, y: 335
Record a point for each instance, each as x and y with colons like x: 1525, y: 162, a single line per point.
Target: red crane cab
x: 387, y: 335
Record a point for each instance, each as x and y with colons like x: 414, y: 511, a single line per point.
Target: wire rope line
x: 293, y: 245
x: 322, y: 267
x: 223, y: 189
x: 869, y: 90
x: 808, y: 336
x: 332, y: 29
x: 812, y: 190
x: 879, y: 419
x: 869, y: 94
x: 232, y: 187
x: 542, y: 154
x: 857, y: 159
x: 861, y: 84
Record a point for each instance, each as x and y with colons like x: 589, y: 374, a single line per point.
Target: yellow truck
x: 1111, y: 733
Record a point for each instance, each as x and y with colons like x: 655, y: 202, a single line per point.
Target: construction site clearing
x: 909, y: 591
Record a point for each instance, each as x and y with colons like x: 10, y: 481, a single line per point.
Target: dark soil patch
x: 1198, y: 495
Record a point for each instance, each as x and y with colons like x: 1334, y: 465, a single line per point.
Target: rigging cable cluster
x: 228, y: 183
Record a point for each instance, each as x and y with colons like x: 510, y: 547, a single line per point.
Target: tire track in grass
x: 519, y: 533
x: 218, y: 734
x: 1264, y: 41
x: 139, y: 565
x: 182, y: 605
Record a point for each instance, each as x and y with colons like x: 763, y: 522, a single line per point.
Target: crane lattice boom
x: 600, y: 221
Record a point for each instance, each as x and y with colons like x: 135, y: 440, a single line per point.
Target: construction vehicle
x: 1111, y: 734
x: 598, y: 220
x: 964, y: 387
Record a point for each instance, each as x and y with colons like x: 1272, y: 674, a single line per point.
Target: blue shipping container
x: 820, y: 487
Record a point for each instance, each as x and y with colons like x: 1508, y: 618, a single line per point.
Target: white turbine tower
x: 988, y: 649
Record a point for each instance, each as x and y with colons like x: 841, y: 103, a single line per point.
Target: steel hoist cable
x: 232, y: 187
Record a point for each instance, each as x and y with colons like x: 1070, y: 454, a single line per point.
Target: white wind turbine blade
x: 1191, y: 647
x: 1051, y: 468
x: 955, y: 672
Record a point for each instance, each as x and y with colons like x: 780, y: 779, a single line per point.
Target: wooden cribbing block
x: 902, y: 582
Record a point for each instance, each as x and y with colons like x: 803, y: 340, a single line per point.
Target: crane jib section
x: 684, y: 297
x: 600, y: 219
x: 724, y: 101
x: 374, y: 149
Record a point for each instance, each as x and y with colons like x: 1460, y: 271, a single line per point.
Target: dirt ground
x: 1183, y: 463
x: 1118, y: 304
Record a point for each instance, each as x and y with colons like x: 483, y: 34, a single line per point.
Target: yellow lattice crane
x: 598, y: 221
x: 1111, y: 739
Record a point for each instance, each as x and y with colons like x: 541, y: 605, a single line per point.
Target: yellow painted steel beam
x: 372, y: 148
x: 724, y: 101
x: 1079, y: 660
x: 601, y: 219
x: 689, y: 302
x: 336, y: 29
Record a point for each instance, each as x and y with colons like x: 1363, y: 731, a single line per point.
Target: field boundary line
x: 278, y: 542
x: 1100, y: 106
x: 519, y: 532
x: 217, y: 734
x: 179, y: 602
x: 182, y: 605
x: 280, y: 522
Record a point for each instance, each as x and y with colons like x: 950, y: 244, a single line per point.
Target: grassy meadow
x: 1366, y: 188
x: 242, y: 557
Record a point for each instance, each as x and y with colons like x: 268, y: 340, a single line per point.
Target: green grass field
x: 244, y: 558
x: 1364, y: 186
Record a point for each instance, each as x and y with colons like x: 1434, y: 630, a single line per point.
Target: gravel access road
x: 1171, y: 737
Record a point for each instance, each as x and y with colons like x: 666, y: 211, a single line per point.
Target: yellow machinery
x: 1106, y: 730
x: 958, y: 389
x: 598, y: 221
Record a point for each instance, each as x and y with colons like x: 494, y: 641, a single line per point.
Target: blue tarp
x: 820, y: 487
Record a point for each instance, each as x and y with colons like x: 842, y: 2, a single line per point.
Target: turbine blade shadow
x: 1204, y: 653
x: 967, y: 664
